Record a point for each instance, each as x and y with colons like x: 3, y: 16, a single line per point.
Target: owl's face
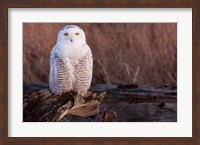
x: 71, y: 35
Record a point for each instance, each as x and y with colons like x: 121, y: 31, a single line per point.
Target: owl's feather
x: 60, y: 75
x: 70, y: 74
x: 71, y: 62
x: 83, y: 72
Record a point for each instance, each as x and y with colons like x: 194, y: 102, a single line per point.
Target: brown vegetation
x: 123, y: 53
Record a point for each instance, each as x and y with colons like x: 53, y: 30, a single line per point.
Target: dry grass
x: 123, y: 53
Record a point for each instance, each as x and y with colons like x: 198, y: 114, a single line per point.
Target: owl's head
x: 72, y: 35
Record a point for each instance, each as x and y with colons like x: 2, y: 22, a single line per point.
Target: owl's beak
x: 71, y: 40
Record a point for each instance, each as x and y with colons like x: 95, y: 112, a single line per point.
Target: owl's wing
x: 83, y: 72
x: 60, y: 74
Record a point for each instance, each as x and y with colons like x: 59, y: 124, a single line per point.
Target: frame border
x: 6, y: 4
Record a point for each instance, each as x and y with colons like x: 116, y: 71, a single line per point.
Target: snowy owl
x: 71, y: 62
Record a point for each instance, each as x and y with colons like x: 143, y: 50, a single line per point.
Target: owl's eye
x: 77, y: 34
x: 65, y: 34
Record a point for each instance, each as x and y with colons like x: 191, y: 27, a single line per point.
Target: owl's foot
x: 78, y: 100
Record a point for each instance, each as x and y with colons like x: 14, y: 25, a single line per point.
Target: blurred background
x: 124, y: 53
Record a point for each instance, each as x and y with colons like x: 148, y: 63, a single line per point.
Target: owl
x: 71, y: 62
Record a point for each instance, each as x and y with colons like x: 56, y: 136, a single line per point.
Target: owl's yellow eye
x: 77, y: 34
x: 65, y: 34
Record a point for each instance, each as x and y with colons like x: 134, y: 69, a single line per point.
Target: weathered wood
x: 89, y: 107
x: 43, y: 106
x: 120, y: 103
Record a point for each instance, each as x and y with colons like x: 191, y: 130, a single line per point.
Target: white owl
x: 71, y: 62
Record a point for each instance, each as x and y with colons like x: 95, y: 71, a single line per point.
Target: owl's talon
x: 79, y: 100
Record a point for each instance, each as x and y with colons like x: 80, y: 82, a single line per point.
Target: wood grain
x: 5, y: 4
x: 4, y: 72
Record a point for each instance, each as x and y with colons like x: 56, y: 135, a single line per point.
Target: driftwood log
x: 43, y: 106
x: 123, y: 103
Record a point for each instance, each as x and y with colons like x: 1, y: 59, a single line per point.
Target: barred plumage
x: 71, y: 62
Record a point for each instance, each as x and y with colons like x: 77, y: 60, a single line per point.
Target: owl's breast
x: 72, y: 52
x: 74, y: 62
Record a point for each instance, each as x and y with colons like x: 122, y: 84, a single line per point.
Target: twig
x: 104, y: 70
x: 127, y: 70
x: 136, y: 75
